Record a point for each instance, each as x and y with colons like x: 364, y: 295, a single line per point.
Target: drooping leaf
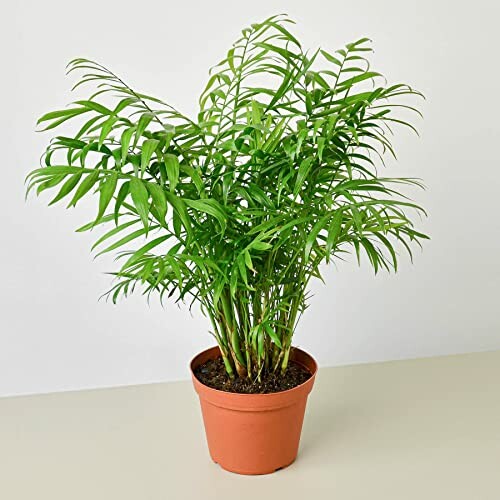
x: 144, y: 249
x: 140, y: 197
x: 172, y: 168
x: 211, y: 207
x: 106, y: 190
x: 159, y: 199
x: 67, y: 187
x: 313, y: 234
x: 113, y: 232
x: 147, y: 149
x: 334, y: 231
x: 272, y: 334
x: 85, y: 186
x: 120, y: 198
x: 303, y: 171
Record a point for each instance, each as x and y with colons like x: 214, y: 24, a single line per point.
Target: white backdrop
x: 55, y: 335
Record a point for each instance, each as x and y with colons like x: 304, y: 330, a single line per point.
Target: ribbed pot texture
x: 253, y: 433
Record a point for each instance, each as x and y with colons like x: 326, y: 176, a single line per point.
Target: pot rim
x: 239, y: 395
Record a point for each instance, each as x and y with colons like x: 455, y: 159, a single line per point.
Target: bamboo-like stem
x: 234, y: 341
x: 223, y: 346
x: 241, y: 305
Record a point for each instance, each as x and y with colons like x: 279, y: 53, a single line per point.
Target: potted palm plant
x: 236, y: 208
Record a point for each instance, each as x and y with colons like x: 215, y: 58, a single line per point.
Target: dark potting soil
x: 213, y: 374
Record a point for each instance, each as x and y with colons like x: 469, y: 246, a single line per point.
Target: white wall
x: 55, y: 335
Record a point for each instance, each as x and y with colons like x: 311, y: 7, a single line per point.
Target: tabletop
x: 415, y: 429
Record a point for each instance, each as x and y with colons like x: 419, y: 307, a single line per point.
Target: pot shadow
x: 337, y: 412
x: 325, y: 426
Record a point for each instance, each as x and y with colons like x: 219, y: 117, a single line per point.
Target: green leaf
x: 146, y: 248
x: 125, y: 142
x: 113, y: 232
x: 331, y: 58
x: 106, y: 129
x: 123, y: 241
x: 172, y: 166
x: 260, y: 245
x: 95, y: 106
x: 67, y: 187
x: 372, y: 254
x: 107, y: 190
x: 120, y: 198
x: 86, y: 185
x: 124, y: 103
x: 147, y: 149
x: 180, y: 213
x: 313, y: 235
x: 159, y: 200
x: 369, y: 75
x: 334, y: 231
x: 304, y: 168
x: 92, y: 224
x: 248, y: 260
x: 390, y: 248
x: 354, y: 45
x: 45, y: 183
x: 285, y: 32
x: 284, y: 53
x: 140, y: 198
x: 240, y: 261
x: 256, y: 113
x: 260, y: 342
x: 233, y: 281
x: 230, y: 59
x: 211, y: 207
x: 54, y: 170
x: 273, y: 335
x: 59, y: 117
x: 143, y: 123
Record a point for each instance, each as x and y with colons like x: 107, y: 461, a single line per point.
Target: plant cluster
x: 237, y: 208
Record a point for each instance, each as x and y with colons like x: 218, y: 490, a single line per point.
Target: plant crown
x: 237, y: 208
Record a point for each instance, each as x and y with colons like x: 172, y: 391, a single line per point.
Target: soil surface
x: 213, y: 374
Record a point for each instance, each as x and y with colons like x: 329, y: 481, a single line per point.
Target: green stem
x: 228, y: 316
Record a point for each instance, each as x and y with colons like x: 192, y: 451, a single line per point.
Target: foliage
x: 236, y: 209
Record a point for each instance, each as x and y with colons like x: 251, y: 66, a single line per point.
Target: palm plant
x: 237, y: 208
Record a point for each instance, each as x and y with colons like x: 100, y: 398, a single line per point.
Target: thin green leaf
x: 147, y: 149
x: 172, y: 168
x: 107, y: 190
x: 140, y: 198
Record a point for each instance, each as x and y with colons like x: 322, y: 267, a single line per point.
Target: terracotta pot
x: 253, y: 433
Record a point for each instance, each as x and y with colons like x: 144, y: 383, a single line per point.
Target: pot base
x: 250, y: 473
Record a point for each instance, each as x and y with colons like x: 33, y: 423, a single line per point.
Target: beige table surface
x: 421, y: 429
